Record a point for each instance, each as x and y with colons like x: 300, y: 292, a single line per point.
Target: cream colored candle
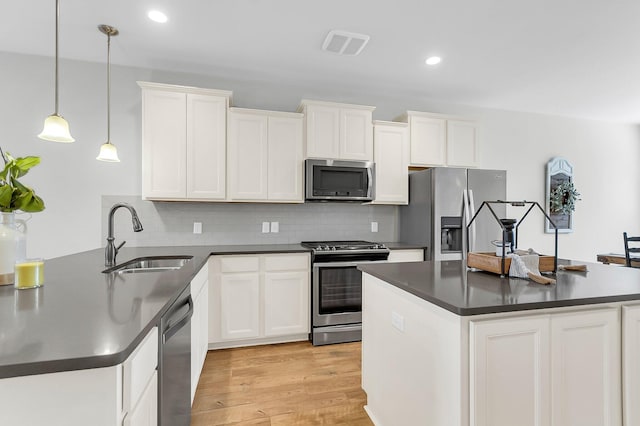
x: 29, y: 273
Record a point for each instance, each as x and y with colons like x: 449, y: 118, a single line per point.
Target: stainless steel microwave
x: 339, y: 180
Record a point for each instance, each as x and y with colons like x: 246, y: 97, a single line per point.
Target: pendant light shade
x: 56, y: 128
x: 108, y: 151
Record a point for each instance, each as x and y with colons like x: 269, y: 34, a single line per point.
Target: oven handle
x: 334, y: 264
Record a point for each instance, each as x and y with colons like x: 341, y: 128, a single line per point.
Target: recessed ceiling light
x: 433, y: 60
x: 157, y: 16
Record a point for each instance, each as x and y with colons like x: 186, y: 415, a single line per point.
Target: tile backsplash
x: 171, y: 223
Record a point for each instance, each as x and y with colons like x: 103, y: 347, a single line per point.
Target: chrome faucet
x: 111, y: 251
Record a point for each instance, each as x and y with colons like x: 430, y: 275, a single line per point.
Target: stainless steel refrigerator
x: 443, y: 200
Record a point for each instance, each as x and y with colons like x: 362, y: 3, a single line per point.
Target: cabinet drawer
x: 139, y: 369
x: 286, y: 262
x: 239, y: 263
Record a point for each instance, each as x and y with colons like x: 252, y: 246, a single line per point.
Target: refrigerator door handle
x: 467, y: 218
x: 472, y: 211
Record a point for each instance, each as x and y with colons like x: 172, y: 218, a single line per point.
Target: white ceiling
x: 563, y: 57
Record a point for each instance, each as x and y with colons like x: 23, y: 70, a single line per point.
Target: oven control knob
x: 324, y: 248
x: 333, y: 248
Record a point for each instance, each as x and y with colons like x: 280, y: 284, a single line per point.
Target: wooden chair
x: 628, y: 251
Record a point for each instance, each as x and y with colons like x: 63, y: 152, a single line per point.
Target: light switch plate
x: 265, y: 227
x: 374, y: 226
x: 275, y: 227
x: 197, y: 227
x: 397, y: 321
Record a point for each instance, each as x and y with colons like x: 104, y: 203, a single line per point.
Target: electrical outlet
x: 374, y: 226
x: 275, y: 227
x: 397, y: 321
x: 265, y: 227
x: 197, y: 227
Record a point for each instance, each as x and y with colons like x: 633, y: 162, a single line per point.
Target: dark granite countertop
x: 82, y: 318
x: 469, y: 292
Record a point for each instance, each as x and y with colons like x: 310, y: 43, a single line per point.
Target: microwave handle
x: 370, y: 182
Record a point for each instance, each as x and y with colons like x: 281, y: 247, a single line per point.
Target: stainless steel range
x: 336, y: 289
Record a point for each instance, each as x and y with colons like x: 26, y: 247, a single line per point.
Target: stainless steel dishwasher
x: 174, y: 363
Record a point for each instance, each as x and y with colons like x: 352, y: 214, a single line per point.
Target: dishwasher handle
x: 173, y: 328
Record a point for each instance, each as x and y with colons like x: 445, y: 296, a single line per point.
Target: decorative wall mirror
x: 560, y: 195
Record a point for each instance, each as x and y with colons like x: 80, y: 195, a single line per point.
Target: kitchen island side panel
x: 414, y: 359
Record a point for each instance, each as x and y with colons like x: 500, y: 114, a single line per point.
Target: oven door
x: 336, y: 294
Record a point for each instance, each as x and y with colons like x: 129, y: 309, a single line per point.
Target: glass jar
x: 13, y: 245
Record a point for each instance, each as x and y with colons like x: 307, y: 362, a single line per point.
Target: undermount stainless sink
x: 150, y: 264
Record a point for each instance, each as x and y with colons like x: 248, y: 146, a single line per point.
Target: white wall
x: 72, y: 182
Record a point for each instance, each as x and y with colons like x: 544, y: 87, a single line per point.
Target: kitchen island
x: 443, y: 345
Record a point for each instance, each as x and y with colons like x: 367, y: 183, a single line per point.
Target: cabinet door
x: 285, y: 159
x: 286, y: 303
x: 631, y: 366
x: 356, y: 135
x: 199, y: 336
x: 412, y: 255
x: 428, y: 141
x: 462, y: 143
x: 509, y: 372
x: 240, y: 305
x: 163, y: 144
x: 585, y: 368
x: 391, y: 154
x: 206, y: 147
x: 323, y: 131
x: 247, y: 156
x: 145, y: 412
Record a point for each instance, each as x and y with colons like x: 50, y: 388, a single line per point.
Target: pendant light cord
x: 109, y: 87
x: 57, y: 30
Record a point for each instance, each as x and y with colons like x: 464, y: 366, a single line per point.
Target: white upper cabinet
x: 247, y: 155
x: 285, y: 180
x: 265, y: 156
x: 183, y: 142
x: 164, y: 160
x: 206, y: 153
x: 440, y: 140
x: 462, y: 143
x: 338, y: 131
x: 391, y: 155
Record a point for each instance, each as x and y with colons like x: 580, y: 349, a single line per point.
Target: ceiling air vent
x: 344, y: 42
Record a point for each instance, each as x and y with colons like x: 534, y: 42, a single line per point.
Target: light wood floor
x: 285, y: 384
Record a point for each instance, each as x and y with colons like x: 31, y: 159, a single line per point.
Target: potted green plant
x: 14, y: 196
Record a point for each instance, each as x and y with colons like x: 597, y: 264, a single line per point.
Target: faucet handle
x: 120, y: 246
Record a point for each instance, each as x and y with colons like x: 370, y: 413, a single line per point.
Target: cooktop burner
x: 338, y: 246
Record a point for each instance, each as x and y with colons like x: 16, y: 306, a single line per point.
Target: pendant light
x: 108, y: 151
x: 56, y: 128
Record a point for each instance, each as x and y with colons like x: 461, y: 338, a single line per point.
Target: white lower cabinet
x: 145, y: 412
x: 258, y: 299
x: 406, y: 255
x: 239, y: 305
x: 123, y: 394
x: 199, y: 325
x: 551, y: 369
x: 286, y: 296
x: 630, y: 364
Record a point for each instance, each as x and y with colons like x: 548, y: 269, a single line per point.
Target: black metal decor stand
x: 523, y: 203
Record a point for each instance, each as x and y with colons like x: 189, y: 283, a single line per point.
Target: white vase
x: 13, y: 245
